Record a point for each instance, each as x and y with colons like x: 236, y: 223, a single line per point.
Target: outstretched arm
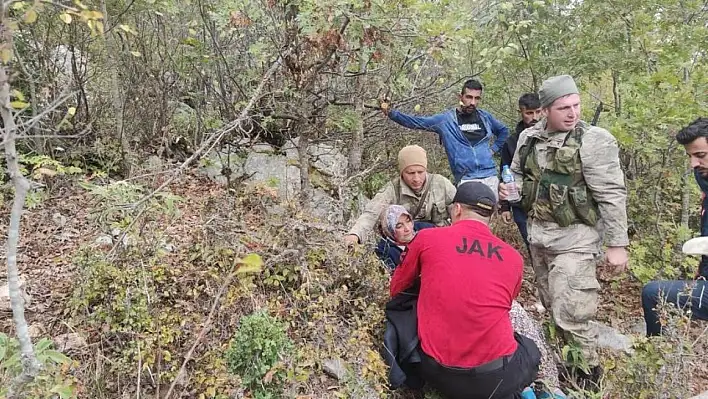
x: 429, y: 123
x: 366, y: 222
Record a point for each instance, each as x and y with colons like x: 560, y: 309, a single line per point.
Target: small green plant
x: 38, y: 166
x: 53, y: 380
x: 256, y: 353
x: 115, y: 203
x: 273, y: 182
x: 374, y: 183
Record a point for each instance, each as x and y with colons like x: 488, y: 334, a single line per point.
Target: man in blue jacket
x: 687, y: 295
x: 466, y: 134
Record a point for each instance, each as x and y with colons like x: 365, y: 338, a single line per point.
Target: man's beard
x: 468, y: 110
x: 532, y: 123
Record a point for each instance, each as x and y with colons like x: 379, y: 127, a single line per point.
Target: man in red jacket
x: 468, y: 279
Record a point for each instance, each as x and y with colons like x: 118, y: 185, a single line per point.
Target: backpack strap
x: 423, y: 197
x: 525, y: 151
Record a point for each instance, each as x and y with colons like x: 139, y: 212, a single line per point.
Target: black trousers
x: 505, y: 382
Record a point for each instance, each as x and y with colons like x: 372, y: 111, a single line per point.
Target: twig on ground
x: 202, y: 333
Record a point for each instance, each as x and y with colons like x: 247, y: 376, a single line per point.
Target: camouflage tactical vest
x: 557, y: 193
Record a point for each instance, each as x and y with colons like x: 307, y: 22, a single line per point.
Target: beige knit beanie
x: 412, y: 155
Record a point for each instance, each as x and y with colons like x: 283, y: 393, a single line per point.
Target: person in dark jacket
x: 530, y: 110
x: 397, y: 229
x: 466, y: 133
x: 687, y: 295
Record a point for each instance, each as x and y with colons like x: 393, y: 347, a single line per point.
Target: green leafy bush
x: 256, y: 351
x: 53, y: 380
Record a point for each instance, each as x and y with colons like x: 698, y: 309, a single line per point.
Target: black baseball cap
x: 476, y: 195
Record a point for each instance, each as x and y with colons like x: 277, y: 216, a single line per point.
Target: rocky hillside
x: 206, y: 291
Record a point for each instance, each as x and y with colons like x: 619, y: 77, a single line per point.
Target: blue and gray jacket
x: 467, y: 162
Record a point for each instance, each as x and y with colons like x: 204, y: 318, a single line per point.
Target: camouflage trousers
x: 569, y: 288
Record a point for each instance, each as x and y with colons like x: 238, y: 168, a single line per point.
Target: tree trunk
x: 112, y: 54
x: 346, y: 194
x: 615, y: 93
x: 686, y: 187
x: 304, y: 161
x: 686, y: 194
x: 30, y: 365
x: 356, y: 151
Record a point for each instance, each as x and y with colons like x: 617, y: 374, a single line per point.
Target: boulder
x: 273, y: 170
x: 335, y: 368
x: 69, y: 341
x: 611, y: 338
x: 325, y: 158
x: 213, y: 164
x: 264, y: 164
x: 326, y: 208
x: 5, y: 305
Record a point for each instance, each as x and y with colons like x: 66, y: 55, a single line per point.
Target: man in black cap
x: 468, y: 280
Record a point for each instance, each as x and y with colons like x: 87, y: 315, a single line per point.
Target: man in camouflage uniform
x: 425, y: 196
x: 569, y: 175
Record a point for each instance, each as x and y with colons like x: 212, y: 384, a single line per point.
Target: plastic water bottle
x: 511, y: 188
x: 528, y: 393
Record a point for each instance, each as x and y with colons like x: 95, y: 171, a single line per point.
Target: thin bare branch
x: 30, y: 365
x: 202, y: 333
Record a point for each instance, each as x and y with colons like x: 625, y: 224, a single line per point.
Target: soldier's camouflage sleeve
x: 515, y: 166
x: 450, y: 190
x: 604, y: 177
x: 366, y: 222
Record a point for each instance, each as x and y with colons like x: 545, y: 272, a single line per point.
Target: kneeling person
x: 425, y: 196
x: 468, y: 280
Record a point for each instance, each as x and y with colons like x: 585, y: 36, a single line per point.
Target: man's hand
x: 617, y: 259
x: 506, y: 217
x: 385, y: 107
x: 503, y: 193
x: 351, y: 239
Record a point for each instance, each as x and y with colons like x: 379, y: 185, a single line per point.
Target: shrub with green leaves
x: 53, y: 379
x: 256, y: 351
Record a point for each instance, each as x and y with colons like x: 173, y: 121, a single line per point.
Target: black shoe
x: 577, y: 378
x: 591, y: 381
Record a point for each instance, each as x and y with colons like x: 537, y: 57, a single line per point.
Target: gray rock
x: 612, y: 339
x: 104, y: 241
x: 325, y: 158
x: 69, y: 341
x: 213, y: 165
x: 640, y: 328
x: 263, y: 148
x: 335, y: 368
x: 36, y: 330
x: 273, y: 170
x: 59, y: 219
x: 703, y: 395
x: 327, y: 208
x: 5, y: 305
